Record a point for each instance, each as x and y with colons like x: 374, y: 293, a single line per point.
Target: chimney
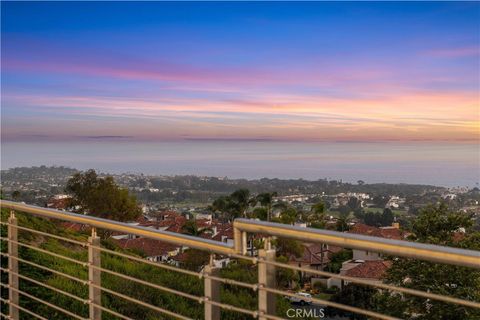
x: 396, y: 225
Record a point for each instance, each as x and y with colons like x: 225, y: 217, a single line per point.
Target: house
x: 181, y: 258
x: 392, y: 232
x: 224, y: 234
x: 315, y: 256
x: 154, y: 250
x: 373, y: 270
x: 59, y: 202
x: 204, y: 216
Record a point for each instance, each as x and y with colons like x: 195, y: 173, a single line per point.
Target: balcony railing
x: 265, y: 288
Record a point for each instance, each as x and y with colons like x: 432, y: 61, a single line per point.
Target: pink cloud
x: 454, y: 52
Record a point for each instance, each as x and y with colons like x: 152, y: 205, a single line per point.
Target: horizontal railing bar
x: 83, y: 244
x: 139, y: 302
x: 232, y: 282
x: 73, y: 315
x: 23, y: 309
x: 42, y: 318
x: 414, y: 292
x: 253, y: 260
x: 272, y: 317
x: 111, y: 311
x: 175, y: 269
x: 143, y: 260
x: 448, y: 255
x: 21, y: 276
x: 232, y: 308
x: 172, y: 237
x: 84, y: 282
x: 84, y: 264
x: 152, y: 285
x: 331, y: 304
x: 193, y: 297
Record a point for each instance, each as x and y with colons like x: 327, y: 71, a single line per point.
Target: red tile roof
x: 374, y: 269
x: 59, y: 204
x: 175, y: 228
x: 312, y: 255
x: 168, y: 222
x: 388, y: 233
x: 78, y: 227
x: 181, y: 257
x: 141, y: 219
x: 150, y: 247
x: 224, y: 231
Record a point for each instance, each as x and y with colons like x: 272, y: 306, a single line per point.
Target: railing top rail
x: 172, y: 237
x: 408, y: 249
x: 448, y: 255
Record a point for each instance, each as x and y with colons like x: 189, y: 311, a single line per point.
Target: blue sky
x: 287, y: 71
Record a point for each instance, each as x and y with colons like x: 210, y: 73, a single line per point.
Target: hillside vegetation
x: 190, y: 284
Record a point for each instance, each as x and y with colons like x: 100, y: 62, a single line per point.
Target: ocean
x: 443, y: 164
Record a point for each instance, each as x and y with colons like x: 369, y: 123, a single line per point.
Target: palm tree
x: 266, y: 200
x: 191, y: 228
x: 342, y: 222
x: 195, y: 258
x: 221, y: 207
x: 242, y: 201
x: 317, y: 215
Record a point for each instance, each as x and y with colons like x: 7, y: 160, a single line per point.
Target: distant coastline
x: 441, y: 164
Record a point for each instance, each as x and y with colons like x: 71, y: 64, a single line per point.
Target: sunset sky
x: 281, y: 71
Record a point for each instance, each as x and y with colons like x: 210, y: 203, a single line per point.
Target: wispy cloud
x: 454, y: 52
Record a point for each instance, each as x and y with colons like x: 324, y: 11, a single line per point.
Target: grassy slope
x: 193, y: 285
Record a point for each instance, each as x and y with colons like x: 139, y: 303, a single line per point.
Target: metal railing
x: 265, y: 288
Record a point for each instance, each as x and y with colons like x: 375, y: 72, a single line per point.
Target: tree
x: 342, y: 222
x: 190, y: 227
x: 260, y: 213
x: 316, y: 218
x: 101, y: 197
x: 241, y: 199
x: 353, y: 203
x: 266, y: 200
x: 288, y: 247
x: 287, y: 216
x: 16, y: 195
x: 387, y: 217
x: 221, y: 206
x: 285, y: 276
x: 195, y: 259
x: 380, y: 200
x: 337, y: 258
x: 377, y: 219
x: 435, y: 224
x: 359, y: 296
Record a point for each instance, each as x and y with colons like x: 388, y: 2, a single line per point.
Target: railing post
x: 13, y: 266
x: 212, y: 292
x: 94, y: 276
x: 244, y: 243
x: 239, y: 240
x: 266, y: 278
